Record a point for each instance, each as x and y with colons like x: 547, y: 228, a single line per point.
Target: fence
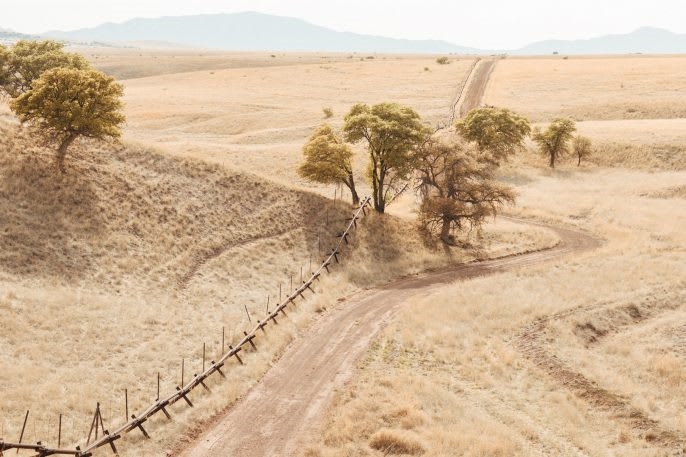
x: 109, y: 438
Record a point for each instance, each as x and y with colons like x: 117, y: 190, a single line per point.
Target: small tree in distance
x: 65, y: 104
x: 393, y: 134
x: 582, y: 148
x: 497, y: 132
x: 554, y: 141
x: 328, y: 160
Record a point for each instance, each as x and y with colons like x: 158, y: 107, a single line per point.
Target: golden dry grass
x: 136, y: 258
x: 257, y: 119
x: 147, y: 61
x: 632, y: 107
x: 615, y: 317
x: 131, y: 261
x: 591, y: 88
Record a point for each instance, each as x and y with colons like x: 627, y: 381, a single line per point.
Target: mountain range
x: 250, y: 31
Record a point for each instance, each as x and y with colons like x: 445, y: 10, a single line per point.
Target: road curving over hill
x: 289, y: 404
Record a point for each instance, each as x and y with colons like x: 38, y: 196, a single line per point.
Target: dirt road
x: 289, y: 404
x: 475, y: 87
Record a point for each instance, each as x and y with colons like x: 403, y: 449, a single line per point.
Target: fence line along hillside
x: 103, y: 437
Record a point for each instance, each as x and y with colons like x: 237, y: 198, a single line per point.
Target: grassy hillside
x: 133, y: 259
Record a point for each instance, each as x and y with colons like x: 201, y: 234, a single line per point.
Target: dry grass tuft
x: 395, y: 442
x: 670, y: 192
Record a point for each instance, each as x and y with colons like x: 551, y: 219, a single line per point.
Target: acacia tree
x: 393, y: 134
x: 497, y: 132
x: 23, y: 63
x: 328, y: 160
x: 458, y: 189
x: 582, y: 148
x: 65, y: 104
x: 554, y: 141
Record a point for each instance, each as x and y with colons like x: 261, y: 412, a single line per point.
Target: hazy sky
x: 478, y: 23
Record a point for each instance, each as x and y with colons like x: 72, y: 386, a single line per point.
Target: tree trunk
x: 351, y: 185
x: 578, y: 164
x: 445, y: 231
x: 379, y: 201
x: 552, y: 161
x: 62, y: 151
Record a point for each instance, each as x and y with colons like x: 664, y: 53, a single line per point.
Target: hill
x: 647, y: 40
x: 250, y: 31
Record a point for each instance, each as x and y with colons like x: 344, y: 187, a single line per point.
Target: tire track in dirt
x: 290, y: 402
x: 531, y: 342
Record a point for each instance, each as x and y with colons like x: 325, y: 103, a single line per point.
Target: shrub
x: 443, y: 60
x: 393, y: 442
x: 328, y: 112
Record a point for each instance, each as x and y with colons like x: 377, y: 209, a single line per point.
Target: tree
x: 458, y: 189
x: 554, y: 142
x: 582, y: 148
x: 328, y: 160
x: 392, y: 133
x: 496, y: 131
x: 24, y: 63
x: 65, y: 104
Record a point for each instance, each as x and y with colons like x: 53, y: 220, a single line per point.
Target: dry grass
x: 591, y: 88
x: 395, y: 442
x: 616, y: 317
x: 128, y: 263
x: 147, y: 61
x: 257, y: 119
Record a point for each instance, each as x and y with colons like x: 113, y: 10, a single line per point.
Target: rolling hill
x: 647, y: 40
x: 250, y: 31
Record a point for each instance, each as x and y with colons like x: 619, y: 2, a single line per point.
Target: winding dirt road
x: 290, y: 403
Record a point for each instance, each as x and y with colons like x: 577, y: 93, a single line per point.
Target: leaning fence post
x: 182, y: 369
x: 59, y: 433
x: 203, y: 357
x: 126, y: 403
x: 23, y: 427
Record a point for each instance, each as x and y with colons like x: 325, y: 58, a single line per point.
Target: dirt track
x: 288, y: 405
x: 475, y: 86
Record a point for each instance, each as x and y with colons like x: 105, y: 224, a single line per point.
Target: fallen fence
x: 109, y: 438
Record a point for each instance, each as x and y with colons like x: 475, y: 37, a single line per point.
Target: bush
x: 393, y: 442
x: 443, y: 61
x: 328, y: 112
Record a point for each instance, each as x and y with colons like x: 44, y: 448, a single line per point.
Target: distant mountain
x: 647, y: 40
x: 252, y: 32
x: 10, y: 37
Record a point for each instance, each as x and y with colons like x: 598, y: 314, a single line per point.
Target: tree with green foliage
x: 23, y: 63
x: 64, y: 104
x: 582, y: 147
x: 392, y: 134
x: 554, y: 141
x: 458, y: 189
x: 328, y: 160
x: 497, y: 132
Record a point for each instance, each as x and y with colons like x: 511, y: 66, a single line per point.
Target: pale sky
x: 486, y: 24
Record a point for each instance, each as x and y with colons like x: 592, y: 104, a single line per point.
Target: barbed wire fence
x: 71, y: 429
